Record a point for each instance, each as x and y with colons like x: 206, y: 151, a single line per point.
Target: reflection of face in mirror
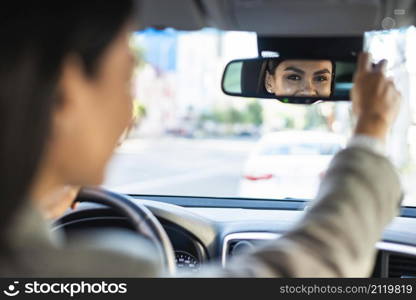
x: 310, y: 78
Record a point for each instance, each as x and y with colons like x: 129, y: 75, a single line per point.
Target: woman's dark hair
x: 272, y: 64
x: 35, y: 41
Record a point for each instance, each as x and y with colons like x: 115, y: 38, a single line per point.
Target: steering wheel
x: 139, y: 216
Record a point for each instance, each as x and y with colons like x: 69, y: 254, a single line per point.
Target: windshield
x: 300, y: 149
x: 189, y: 139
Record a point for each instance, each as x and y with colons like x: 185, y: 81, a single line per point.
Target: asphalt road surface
x: 179, y: 166
x: 183, y: 167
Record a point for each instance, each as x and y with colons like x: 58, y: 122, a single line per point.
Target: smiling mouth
x: 303, y: 94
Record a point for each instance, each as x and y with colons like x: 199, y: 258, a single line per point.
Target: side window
x: 399, y: 48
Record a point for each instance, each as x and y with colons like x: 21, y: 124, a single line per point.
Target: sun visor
x: 311, y: 47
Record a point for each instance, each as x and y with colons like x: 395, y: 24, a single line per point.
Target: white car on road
x: 289, y: 164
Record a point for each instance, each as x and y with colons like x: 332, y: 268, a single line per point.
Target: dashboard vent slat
x: 401, y: 266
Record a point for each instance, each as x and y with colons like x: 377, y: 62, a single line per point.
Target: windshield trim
x: 227, y: 202
x: 245, y: 203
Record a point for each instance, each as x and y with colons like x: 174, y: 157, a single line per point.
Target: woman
x: 299, y: 78
x: 64, y: 103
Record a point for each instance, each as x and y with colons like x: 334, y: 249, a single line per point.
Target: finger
x: 355, y: 108
x: 364, y: 62
x: 381, y: 66
x: 396, y: 91
x: 74, y: 205
x: 392, y: 89
x: 391, y: 84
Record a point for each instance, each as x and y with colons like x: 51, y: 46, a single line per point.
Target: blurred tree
x: 138, y: 53
x: 251, y: 114
x: 234, y: 116
x: 139, y: 110
x: 255, y: 113
x: 314, y: 118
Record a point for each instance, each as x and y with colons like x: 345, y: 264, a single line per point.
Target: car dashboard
x: 212, y: 235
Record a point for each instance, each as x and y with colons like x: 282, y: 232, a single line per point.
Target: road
x: 179, y: 166
x: 184, y: 167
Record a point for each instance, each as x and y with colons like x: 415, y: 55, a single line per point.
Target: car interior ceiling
x: 275, y: 18
x: 212, y: 229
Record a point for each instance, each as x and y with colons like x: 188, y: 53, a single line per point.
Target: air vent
x: 402, y: 266
x: 230, y: 248
x: 240, y: 247
x: 235, y: 243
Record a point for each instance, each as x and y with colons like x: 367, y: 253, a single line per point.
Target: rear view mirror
x: 302, y: 81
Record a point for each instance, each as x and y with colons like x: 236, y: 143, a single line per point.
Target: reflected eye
x: 294, y: 77
x: 321, y: 78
